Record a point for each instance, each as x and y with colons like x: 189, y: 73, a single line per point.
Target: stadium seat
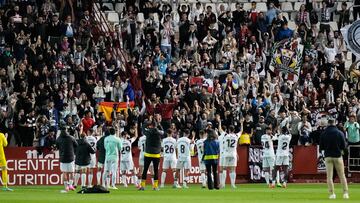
x: 247, y: 6
x: 233, y: 6
x: 298, y: 5
x: 333, y: 25
x: 287, y: 7
x: 113, y: 17
x: 292, y: 25
x: 261, y: 7
x: 140, y: 17
x: 286, y: 15
x: 108, y: 5
x: 119, y: 7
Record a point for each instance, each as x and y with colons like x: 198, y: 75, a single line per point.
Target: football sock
x: 163, y: 177
x: 77, y: 177
x: 71, y: 182
x: 65, y: 184
x: 267, y: 177
x: 273, y: 176
x: 156, y: 183
x: 90, y: 179
x: 186, y: 179
x: 224, y: 178
x: 232, y: 177
x: 113, y: 179
x: 123, y: 178
x: 152, y: 180
x: 286, y: 175
x: 98, y: 177
x: 83, y: 180
x: 278, y: 176
x: 4, y: 177
x: 143, y: 183
x: 135, y: 180
x: 203, y: 179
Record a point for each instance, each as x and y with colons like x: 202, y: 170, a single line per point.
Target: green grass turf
x: 251, y: 193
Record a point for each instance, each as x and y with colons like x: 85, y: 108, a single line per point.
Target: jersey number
x: 125, y: 150
x: 265, y: 145
x: 169, y: 149
x: 284, y: 146
x: 182, y: 149
x: 143, y: 146
x: 231, y: 143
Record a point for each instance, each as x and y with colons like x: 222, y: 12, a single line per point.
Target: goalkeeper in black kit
x: 152, y: 151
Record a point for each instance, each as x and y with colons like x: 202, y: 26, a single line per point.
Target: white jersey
x: 200, y: 148
x: 183, y: 148
x: 221, y: 144
x: 283, y: 145
x: 92, y: 141
x: 230, y: 143
x: 268, y: 147
x: 126, y: 154
x: 141, y: 145
x: 169, y: 145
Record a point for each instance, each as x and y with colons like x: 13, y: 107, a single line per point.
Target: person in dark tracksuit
x: 66, y: 145
x: 332, y: 141
x: 82, y: 160
x: 210, y: 158
x: 152, y: 152
x: 101, y: 159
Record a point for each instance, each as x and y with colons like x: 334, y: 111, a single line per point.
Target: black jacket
x: 66, y: 145
x: 83, y: 152
x: 153, y: 140
x: 332, y: 141
x: 101, y: 148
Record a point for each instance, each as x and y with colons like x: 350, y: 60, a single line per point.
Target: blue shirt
x: 211, y: 151
x: 283, y: 34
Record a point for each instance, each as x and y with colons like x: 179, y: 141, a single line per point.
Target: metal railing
x: 354, y: 158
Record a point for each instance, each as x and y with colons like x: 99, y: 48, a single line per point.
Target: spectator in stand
x: 302, y: 16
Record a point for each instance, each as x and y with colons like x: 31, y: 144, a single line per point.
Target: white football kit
x: 200, y: 152
x: 268, y: 151
x: 92, y: 141
x: 169, y: 153
x: 141, y: 145
x: 230, y: 143
x: 183, y: 149
x: 221, y: 148
x: 126, y: 162
x: 282, y: 152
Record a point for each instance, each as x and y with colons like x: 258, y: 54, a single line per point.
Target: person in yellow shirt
x: 4, y: 175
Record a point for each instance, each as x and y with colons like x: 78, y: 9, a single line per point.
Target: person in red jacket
x: 166, y: 111
x: 87, y: 122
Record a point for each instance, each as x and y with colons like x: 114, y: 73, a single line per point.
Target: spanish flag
x: 107, y: 108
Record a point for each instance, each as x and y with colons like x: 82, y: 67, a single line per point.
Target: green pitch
x: 251, y: 193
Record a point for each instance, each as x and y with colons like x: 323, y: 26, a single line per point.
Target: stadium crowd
x: 189, y: 66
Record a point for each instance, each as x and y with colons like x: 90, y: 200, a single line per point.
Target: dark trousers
x: 147, y: 162
x: 211, y: 169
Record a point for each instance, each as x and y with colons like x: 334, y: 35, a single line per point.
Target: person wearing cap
x: 210, y: 158
x: 332, y: 141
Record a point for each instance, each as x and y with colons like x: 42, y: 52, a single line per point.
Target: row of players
x: 177, y: 157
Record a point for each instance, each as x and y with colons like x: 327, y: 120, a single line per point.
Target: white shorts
x: 92, y: 162
x: 78, y: 168
x: 183, y: 164
x: 169, y: 163
x: 111, y: 165
x: 230, y: 161
x: 268, y: 162
x: 126, y: 165
x: 67, y: 167
x: 282, y: 161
